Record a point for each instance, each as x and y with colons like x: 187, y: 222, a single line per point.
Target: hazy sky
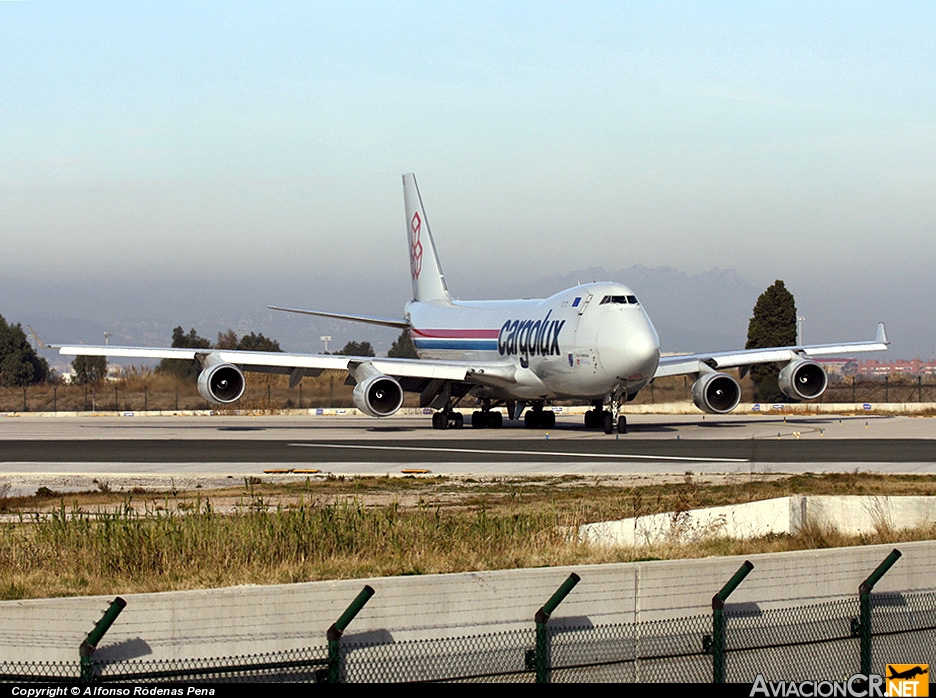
x: 224, y: 145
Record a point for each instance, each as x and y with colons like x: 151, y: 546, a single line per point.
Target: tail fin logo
x: 416, y: 249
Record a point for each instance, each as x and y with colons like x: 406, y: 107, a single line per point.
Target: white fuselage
x: 584, y: 342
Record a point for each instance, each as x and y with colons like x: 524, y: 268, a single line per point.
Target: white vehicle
x: 593, y: 343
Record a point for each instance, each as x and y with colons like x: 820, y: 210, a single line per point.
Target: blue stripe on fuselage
x: 460, y: 344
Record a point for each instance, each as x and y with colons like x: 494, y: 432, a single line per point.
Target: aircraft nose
x: 643, y: 349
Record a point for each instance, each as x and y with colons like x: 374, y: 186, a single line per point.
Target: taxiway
x: 214, y: 449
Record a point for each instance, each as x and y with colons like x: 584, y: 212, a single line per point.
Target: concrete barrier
x: 248, y: 620
x: 851, y: 515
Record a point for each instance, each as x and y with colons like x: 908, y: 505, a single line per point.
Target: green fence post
x: 718, y: 621
x: 90, y: 643
x: 542, y: 617
x: 864, y: 600
x: 338, y: 627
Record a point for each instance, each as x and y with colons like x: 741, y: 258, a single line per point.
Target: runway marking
x: 622, y: 456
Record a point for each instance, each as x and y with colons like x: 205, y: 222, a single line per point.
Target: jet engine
x: 220, y: 383
x: 802, y: 379
x: 716, y: 393
x: 374, y: 393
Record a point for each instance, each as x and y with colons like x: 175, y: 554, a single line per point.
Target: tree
x: 773, y: 324
x: 19, y: 363
x: 247, y: 342
x: 357, y: 349
x: 187, y: 370
x: 89, y: 369
x: 257, y: 342
x: 226, y: 340
x: 402, y: 347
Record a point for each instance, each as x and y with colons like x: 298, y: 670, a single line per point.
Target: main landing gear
x: 485, y: 418
x: 480, y: 419
x: 535, y: 417
x: 448, y: 420
x: 538, y: 418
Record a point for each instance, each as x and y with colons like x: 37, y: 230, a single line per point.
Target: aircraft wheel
x: 457, y: 419
x: 622, y: 424
x: 591, y: 419
x: 531, y: 419
x: 607, y: 422
x: 479, y: 419
x: 548, y: 419
x: 439, y: 420
x: 495, y: 420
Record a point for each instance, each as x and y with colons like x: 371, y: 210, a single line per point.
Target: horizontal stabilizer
x: 368, y: 319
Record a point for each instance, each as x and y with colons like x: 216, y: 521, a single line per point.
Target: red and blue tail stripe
x: 457, y: 340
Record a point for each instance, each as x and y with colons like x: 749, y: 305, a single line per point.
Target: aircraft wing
x: 481, y: 372
x: 692, y: 363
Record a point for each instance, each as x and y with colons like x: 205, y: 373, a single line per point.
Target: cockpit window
x: 620, y: 300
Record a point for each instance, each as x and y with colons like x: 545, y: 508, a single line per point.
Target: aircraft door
x: 584, y: 304
x: 583, y: 356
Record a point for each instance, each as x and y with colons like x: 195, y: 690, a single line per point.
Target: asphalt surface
x: 421, y: 451
x: 33, y: 449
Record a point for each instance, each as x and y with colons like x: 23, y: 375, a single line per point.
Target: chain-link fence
x: 797, y: 643
x: 274, y: 396
x: 904, y: 629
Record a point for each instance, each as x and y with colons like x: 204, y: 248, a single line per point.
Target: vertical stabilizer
x: 428, y: 281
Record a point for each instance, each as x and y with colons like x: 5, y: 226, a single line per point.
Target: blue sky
x: 227, y: 144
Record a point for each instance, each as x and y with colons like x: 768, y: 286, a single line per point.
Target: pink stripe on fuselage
x: 456, y: 334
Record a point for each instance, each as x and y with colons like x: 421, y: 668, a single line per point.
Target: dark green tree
x: 227, y: 340
x: 773, y: 324
x: 89, y: 369
x: 19, y: 363
x: 402, y: 347
x: 257, y: 342
x: 357, y: 349
x: 247, y: 342
x: 187, y: 370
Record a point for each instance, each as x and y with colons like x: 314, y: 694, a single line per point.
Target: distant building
x: 839, y: 367
x: 873, y: 368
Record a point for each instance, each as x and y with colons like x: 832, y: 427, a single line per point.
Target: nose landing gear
x: 606, y: 420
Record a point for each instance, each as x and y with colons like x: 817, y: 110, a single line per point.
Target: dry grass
x: 102, y: 542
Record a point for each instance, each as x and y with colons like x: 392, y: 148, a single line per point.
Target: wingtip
x: 38, y: 338
x: 881, y: 336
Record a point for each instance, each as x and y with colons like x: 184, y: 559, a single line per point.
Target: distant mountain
x: 692, y: 312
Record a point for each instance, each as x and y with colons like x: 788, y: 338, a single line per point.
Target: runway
x: 214, y: 449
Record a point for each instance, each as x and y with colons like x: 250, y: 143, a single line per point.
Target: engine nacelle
x: 221, y: 383
x: 716, y: 393
x: 378, y: 395
x: 802, y: 379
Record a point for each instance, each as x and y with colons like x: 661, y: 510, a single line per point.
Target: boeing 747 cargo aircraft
x: 592, y: 343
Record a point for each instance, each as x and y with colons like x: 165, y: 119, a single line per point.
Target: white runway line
x: 621, y: 456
